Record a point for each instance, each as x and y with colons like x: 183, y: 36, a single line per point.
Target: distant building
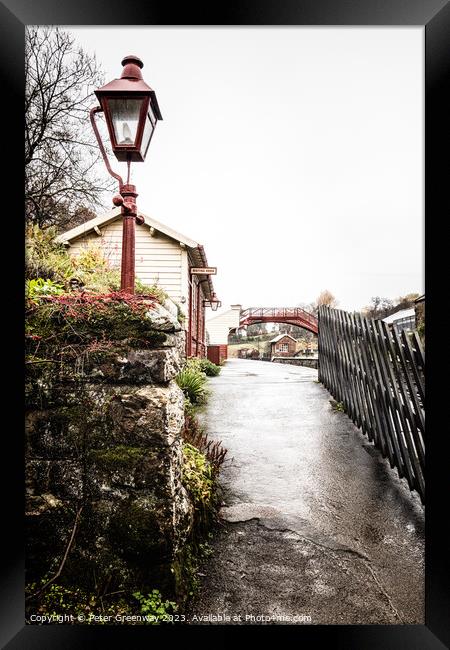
x: 163, y: 257
x: 218, y: 326
x: 405, y: 319
x: 283, y: 345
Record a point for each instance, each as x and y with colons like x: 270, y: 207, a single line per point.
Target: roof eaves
x: 114, y: 214
x: 87, y: 226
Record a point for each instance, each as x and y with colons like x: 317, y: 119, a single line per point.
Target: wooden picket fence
x: 378, y: 374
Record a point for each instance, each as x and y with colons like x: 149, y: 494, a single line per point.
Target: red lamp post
x: 131, y: 111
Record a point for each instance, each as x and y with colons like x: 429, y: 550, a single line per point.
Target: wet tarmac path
x: 317, y: 528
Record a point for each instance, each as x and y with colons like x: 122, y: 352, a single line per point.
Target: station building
x: 283, y: 345
x: 163, y: 257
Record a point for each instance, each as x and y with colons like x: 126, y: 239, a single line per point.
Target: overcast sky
x: 294, y: 155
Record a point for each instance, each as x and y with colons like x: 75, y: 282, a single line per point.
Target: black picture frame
x: 434, y: 15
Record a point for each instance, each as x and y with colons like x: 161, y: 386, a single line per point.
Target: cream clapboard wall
x: 219, y: 326
x: 159, y: 259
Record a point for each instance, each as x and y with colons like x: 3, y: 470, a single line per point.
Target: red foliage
x: 99, y: 300
x: 92, y: 298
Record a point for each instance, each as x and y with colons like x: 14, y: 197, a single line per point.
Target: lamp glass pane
x: 149, y: 127
x: 125, y: 119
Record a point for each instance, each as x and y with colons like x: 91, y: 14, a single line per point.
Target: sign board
x: 204, y: 270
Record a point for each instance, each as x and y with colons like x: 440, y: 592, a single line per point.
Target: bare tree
x: 373, y: 309
x: 379, y: 307
x: 62, y: 180
x: 382, y: 307
x: 324, y: 298
x: 404, y: 302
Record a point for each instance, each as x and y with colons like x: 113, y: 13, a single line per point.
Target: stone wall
x: 103, y: 463
x: 295, y: 361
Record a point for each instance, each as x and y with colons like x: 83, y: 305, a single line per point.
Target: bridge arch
x: 289, y: 315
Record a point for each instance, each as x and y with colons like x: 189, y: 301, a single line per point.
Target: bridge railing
x: 278, y: 312
x: 378, y: 374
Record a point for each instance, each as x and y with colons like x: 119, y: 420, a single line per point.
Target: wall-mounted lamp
x: 213, y: 303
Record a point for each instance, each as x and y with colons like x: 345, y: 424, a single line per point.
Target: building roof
x: 196, y: 250
x: 403, y: 313
x: 281, y: 336
x: 420, y: 298
x: 113, y: 215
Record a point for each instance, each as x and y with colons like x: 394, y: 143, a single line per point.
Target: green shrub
x: 209, y: 368
x: 153, y: 290
x: 203, y: 365
x: 192, y: 382
x: 102, y: 281
x: 91, y: 258
x: 154, y: 608
x: 94, y: 609
x: 45, y: 258
x: 49, y: 260
x: 59, y: 600
x: 35, y: 288
x: 94, y: 270
x: 98, y: 275
x: 199, y: 478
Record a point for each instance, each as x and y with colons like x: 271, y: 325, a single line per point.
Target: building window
x: 283, y: 347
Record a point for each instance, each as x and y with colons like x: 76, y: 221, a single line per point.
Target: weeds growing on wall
x: 202, y: 460
x: 63, y: 331
x: 193, y: 381
x: 82, y: 318
x: 213, y: 450
x: 200, y: 478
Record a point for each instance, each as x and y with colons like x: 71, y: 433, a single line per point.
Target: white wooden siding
x: 159, y: 259
x: 219, y: 326
x: 185, y: 282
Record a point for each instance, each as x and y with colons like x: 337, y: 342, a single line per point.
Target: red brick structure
x: 283, y: 345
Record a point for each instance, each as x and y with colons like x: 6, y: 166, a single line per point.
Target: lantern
x: 213, y: 303
x: 131, y: 111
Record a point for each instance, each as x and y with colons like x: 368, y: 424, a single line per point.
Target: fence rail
x: 378, y: 373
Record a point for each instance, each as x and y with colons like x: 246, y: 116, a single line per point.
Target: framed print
x: 228, y: 433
